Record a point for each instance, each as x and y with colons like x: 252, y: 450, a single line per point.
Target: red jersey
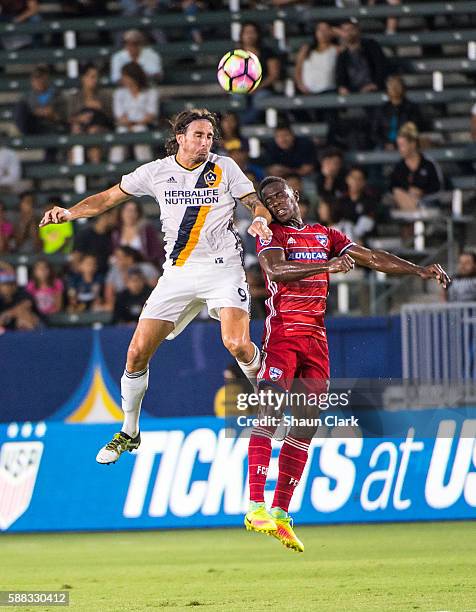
x: 297, y: 308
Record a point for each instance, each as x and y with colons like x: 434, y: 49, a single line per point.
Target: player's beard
x: 200, y: 158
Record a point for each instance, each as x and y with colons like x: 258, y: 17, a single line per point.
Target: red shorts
x: 300, y: 357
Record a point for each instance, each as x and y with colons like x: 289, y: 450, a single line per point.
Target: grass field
x: 426, y: 566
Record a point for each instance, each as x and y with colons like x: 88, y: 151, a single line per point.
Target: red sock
x: 292, y: 460
x: 259, y: 454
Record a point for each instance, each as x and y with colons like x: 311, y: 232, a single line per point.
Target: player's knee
x: 236, y: 346
x: 137, y: 358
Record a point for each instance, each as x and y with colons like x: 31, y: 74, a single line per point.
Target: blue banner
x: 190, y: 473
x: 73, y: 375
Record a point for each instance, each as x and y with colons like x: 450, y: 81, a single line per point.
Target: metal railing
x: 439, y: 352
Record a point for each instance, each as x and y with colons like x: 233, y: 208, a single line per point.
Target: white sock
x: 251, y: 368
x: 133, y: 388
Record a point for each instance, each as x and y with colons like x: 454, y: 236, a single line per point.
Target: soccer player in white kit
x: 196, y: 192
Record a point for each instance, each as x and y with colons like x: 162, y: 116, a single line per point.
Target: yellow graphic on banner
x: 98, y: 406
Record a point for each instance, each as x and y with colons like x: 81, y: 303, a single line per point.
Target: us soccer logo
x: 19, y: 463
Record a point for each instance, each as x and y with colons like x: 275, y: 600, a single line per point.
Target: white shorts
x: 182, y: 292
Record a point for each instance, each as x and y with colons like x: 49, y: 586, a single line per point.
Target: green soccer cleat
x: 285, y: 532
x: 259, y: 519
x: 120, y: 443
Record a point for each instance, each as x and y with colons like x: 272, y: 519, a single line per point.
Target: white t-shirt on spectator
x: 135, y: 108
x: 10, y: 169
x: 319, y: 70
x: 149, y: 60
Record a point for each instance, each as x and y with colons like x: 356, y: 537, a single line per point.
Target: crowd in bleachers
x: 112, y: 262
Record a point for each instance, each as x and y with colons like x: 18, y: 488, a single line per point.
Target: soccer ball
x: 239, y: 71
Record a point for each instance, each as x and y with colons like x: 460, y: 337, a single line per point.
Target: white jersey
x: 196, y: 207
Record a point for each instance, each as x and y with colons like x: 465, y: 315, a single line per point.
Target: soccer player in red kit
x: 296, y: 263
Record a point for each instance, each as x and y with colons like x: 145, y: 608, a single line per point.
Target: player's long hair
x: 181, y: 122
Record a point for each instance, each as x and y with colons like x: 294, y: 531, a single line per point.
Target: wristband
x: 261, y: 220
x: 67, y: 212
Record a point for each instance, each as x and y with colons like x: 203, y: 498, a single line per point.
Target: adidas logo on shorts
x: 171, y: 180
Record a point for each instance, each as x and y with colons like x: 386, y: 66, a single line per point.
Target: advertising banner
x: 192, y: 472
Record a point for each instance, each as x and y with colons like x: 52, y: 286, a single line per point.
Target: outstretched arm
x: 391, y: 264
x: 261, y: 216
x: 89, y: 207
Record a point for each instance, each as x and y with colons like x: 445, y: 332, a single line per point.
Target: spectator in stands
x: 136, y: 107
x: 231, y: 137
x: 96, y: 239
x: 361, y: 66
x: 85, y: 290
x: 415, y: 179
x: 18, y: 11
x: 251, y: 40
x: 288, y: 154
x: 17, y: 308
x: 135, y: 51
x: 331, y: 177
x: 6, y: 232
x: 41, y: 110
x: 89, y: 111
x: 463, y: 284
x: 358, y: 205
x: 130, y: 301
x: 10, y: 168
x: 56, y: 238
x: 316, y: 63
x: 27, y: 239
x: 389, y: 118
x: 134, y: 231
x: 124, y: 258
x: 45, y: 288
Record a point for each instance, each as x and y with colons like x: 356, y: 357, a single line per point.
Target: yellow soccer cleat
x: 259, y: 519
x: 285, y: 532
